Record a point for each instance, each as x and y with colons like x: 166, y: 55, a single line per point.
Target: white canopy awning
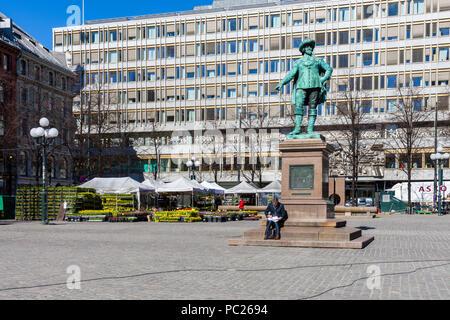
x: 182, y: 185
x: 274, y: 187
x: 242, y: 188
x: 117, y: 185
x: 213, y: 187
x: 154, y: 183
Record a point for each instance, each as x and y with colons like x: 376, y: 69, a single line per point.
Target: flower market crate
x: 29, y: 201
x: 119, y: 202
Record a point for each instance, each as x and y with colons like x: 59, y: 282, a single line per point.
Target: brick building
x: 35, y: 83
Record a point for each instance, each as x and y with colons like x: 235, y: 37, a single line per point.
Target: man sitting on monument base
x: 276, y: 216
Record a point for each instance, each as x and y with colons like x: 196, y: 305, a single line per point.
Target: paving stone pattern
x: 192, y: 261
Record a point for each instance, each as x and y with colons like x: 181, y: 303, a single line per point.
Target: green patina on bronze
x: 301, y: 177
x: 310, y: 76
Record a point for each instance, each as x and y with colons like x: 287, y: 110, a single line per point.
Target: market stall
x: 244, y: 190
x: 120, y: 187
x: 267, y: 193
x: 183, y: 190
x: 213, y: 187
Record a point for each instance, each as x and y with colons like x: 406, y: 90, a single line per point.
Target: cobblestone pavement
x: 193, y: 261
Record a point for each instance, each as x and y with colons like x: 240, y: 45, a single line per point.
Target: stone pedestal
x: 304, y: 194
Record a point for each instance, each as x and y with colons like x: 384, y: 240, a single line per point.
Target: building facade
x: 41, y: 86
x: 216, y: 67
x: 8, y: 80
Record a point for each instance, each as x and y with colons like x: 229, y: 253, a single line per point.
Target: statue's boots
x: 312, y: 115
x: 298, y: 124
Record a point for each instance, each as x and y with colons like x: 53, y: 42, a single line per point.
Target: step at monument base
x: 358, y: 243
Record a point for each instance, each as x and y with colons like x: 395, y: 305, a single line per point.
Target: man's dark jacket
x: 277, y: 211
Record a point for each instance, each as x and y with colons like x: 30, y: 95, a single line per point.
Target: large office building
x: 215, y: 68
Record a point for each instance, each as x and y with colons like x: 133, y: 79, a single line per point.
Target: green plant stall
x: 29, y: 205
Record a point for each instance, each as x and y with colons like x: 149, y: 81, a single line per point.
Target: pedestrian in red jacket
x: 241, y: 205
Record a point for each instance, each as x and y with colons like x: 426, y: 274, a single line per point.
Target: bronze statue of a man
x: 310, y: 75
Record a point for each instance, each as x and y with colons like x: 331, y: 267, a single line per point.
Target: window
x: 443, y: 54
x: 343, y: 37
x: 417, y: 55
x: 170, y: 52
x: 417, y: 104
x: 151, y: 32
x: 231, y: 93
x: 2, y: 94
x: 5, y: 62
x: 343, y: 61
x: 368, y: 11
x: 113, y: 77
x: 418, y: 7
x: 95, y: 37
x: 344, y: 14
x: 444, y: 31
x: 417, y: 81
x: 367, y: 35
x: 231, y: 24
x: 63, y: 169
x: 296, y: 42
x: 22, y: 164
x: 151, y: 54
x: 366, y: 106
x: 392, y: 9
x: 392, y: 81
x: 190, y: 92
x: 131, y: 76
x: 151, y: 75
x: 274, y: 66
x: 367, y: 59
x: 391, y: 105
x: 50, y: 79
x: 275, y: 21
x: 231, y: 46
x: 253, y: 45
x: 390, y: 158
x: 113, y: 56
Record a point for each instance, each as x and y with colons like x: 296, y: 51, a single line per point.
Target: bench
x: 355, y: 211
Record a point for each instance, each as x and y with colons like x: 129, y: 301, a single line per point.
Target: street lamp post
x: 193, y: 164
x: 44, y: 138
x: 438, y: 158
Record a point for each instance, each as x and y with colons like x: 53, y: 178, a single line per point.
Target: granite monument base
x: 304, y: 194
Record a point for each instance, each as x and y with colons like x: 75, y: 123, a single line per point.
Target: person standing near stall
x: 241, y: 205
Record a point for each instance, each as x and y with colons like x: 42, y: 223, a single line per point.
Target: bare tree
x: 155, y: 136
x: 351, y: 129
x: 99, y: 128
x: 256, y: 120
x: 411, y: 129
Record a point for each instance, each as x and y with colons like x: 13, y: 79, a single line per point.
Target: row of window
x: 389, y: 105
x: 190, y: 72
x: 59, y: 170
x: 255, y: 45
x: 419, y: 161
x: 50, y: 77
x: 232, y: 24
x: 233, y: 90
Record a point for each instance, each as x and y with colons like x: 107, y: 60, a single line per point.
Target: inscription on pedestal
x: 301, y: 177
